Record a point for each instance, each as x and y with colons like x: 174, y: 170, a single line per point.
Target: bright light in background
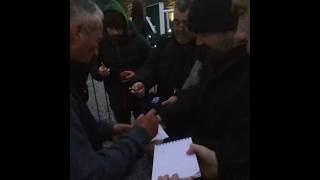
x: 171, y: 16
x: 149, y: 36
x: 169, y: 30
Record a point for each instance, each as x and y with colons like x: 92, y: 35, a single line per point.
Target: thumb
x: 194, y: 149
x: 134, y: 86
x: 152, y: 112
x: 166, y: 102
x: 140, y: 116
x: 138, y: 85
x: 102, y: 67
x: 136, y: 121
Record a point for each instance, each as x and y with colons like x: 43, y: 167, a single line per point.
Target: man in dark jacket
x: 121, y: 53
x: 88, y: 160
x: 78, y: 77
x: 220, y: 103
x: 175, y: 62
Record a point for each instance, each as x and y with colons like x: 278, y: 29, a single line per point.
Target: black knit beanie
x: 211, y: 16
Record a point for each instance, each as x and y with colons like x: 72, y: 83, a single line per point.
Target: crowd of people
x: 202, y: 80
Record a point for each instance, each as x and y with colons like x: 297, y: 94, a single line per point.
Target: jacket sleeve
x: 108, y: 163
x: 145, y: 50
x: 147, y: 72
x: 187, y: 102
x: 233, y: 151
x: 188, y: 99
x: 105, y: 130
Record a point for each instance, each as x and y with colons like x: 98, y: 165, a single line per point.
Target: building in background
x: 159, y: 17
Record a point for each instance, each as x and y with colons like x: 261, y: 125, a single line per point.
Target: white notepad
x: 170, y: 158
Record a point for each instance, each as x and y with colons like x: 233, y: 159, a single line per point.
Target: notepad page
x: 171, y: 158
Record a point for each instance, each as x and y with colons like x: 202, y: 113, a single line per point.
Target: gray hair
x: 183, y: 5
x: 85, y: 13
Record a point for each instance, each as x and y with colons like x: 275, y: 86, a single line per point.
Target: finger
x: 133, y: 92
x: 138, y: 85
x: 141, y: 116
x: 130, y: 125
x: 105, y: 68
x: 125, y: 73
x: 126, y: 126
x: 195, y: 149
x: 152, y: 112
x: 129, y: 73
x: 165, y: 102
x: 140, y: 91
x: 174, y: 177
x: 127, y: 76
x: 134, y: 87
x: 166, y: 177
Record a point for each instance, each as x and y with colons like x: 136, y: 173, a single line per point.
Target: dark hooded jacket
x: 128, y: 54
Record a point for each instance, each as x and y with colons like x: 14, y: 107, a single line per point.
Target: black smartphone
x: 153, y: 102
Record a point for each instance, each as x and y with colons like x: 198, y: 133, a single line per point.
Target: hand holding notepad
x: 171, y: 158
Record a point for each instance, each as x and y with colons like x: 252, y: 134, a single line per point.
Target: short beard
x: 222, y: 48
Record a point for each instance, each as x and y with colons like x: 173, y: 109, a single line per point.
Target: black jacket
x: 129, y: 54
x: 218, y: 111
x: 78, y: 78
x: 106, y: 163
x: 97, y: 131
x: 169, y: 66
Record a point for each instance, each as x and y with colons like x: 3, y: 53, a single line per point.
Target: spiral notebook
x: 170, y: 158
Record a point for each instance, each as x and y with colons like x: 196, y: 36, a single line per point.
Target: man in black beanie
x: 221, y: 101
x: 214, y: 24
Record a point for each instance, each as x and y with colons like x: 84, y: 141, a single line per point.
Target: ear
x: 75, y: 32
